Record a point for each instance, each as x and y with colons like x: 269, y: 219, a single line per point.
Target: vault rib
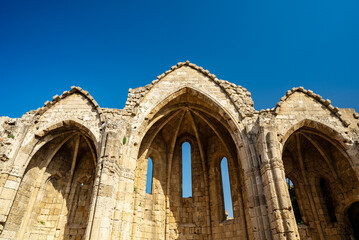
x: 165, y: 113
x: 204, y: 170
x: 325, y: 156
x: 213, y: 129
x: 170, y: 158
x: 328, y: 139
x: 46, y: 140
x: 153, y: 136
x: 68, y: 187
x: 91, y: 149
x: 35, y: 192
x: 310, y: 192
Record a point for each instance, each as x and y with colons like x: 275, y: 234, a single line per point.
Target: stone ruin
x: 74, y: 170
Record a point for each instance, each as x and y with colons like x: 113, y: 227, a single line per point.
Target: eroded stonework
x: 74, y: 170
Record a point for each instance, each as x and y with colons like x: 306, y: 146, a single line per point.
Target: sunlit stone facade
x: 74, y: 170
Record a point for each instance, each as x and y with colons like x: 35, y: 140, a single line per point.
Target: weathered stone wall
x: 74, y: 170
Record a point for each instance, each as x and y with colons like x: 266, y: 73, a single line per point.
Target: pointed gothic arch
x: 57, y: 187
x: 323, y: 171
x: 191, y: 116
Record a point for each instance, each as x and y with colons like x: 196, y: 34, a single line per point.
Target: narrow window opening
x: 227, y: 197
x: 149, y: 176
x: 328, y: 200
x: 186, y: 170
x: 294, y: 200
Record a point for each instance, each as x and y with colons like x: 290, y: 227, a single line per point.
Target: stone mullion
x: 282, y: 218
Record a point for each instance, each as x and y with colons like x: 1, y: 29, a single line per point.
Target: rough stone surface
x: 74, y: 170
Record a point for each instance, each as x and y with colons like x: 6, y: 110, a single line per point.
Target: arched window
x: 294, y: 200
x: 186, y: 170
x: 328, y: 200
x: 149, y: 176
x: 227, y: 197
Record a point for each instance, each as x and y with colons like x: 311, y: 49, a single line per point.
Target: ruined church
x: 74, y: 170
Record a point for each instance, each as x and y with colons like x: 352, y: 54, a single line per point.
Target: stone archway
x: 324, y: 182
x: 54, y: 196
x: 193, y: 118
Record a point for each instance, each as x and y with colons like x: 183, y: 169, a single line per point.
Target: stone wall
x: 74, y: 170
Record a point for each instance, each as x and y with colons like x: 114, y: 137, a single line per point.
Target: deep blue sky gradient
x: 107, y: 47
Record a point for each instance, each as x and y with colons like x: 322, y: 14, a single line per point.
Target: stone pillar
x: 258, y: 221
x: 105, y: 189
x: 123, y: 210
x: 112, y: 204
x: 281, y: 215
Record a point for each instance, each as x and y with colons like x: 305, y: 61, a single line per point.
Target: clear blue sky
x: 107, y: 47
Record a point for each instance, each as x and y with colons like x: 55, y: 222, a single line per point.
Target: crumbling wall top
x: 325, y: 102
x: 74, y: 89
x: 239, y: 95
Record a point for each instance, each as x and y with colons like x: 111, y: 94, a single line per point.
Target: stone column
x: 112, y: 205
x: 105, y: 190
x: 258, y: 221
x: 281, y: 215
